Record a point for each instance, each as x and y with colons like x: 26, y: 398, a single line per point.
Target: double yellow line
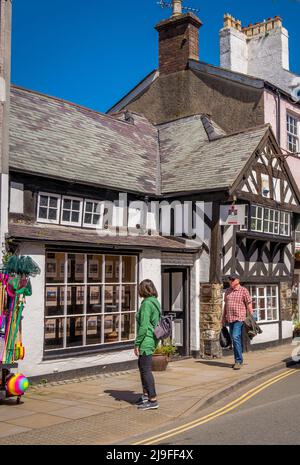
x: 222, y: 411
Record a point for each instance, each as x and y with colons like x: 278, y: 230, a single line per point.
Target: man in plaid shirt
x: 237, y: 302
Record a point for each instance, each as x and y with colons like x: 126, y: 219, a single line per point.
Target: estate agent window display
x: 90, y: 299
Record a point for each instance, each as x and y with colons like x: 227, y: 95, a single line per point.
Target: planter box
x: 159, y: 362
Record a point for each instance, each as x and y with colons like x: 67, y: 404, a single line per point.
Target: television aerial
x: 177, y: 7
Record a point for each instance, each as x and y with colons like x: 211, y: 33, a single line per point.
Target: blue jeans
x: 236, y: 329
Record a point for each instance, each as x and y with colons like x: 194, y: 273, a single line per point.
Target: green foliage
x: 165, y: 348
x: 297, y: 326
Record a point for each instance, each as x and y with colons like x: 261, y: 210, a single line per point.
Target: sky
x: 92, y: 52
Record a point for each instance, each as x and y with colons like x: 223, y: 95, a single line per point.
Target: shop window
x: 265, y: 303
x: 71, y: 211
x: 48, y: 208
x: 90, y: 299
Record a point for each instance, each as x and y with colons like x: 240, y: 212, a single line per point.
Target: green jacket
x: 147, y: 318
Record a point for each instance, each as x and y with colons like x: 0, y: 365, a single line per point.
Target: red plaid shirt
x: 236, y: 303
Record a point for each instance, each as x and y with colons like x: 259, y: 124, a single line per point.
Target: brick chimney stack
x: 178, y: 40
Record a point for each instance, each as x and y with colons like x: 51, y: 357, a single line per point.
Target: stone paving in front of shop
x: 100, y: 410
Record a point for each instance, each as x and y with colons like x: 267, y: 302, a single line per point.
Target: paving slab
x: 38, y: 420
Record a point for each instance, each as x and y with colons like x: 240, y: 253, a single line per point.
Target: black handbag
x: 225, y: 339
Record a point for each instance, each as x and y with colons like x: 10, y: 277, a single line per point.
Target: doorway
x: 175, y: 302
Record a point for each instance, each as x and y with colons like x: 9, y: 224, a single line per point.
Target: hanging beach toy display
x: 15, y: 286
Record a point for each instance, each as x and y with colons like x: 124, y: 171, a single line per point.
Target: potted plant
x: 296, y: 332
x: 162, y: 355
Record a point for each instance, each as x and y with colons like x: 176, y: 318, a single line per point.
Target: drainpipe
x: 278, y: 117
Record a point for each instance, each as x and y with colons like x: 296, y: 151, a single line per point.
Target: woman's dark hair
x: 147, y: 289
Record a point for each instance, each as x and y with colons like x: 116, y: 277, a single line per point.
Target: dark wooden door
x: 175, y: 299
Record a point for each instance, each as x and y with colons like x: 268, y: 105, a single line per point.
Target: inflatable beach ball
x: 16, y: 385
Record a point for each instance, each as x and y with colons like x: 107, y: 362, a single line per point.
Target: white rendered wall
x: 150, y: 268
x: 233, y: 50
x: 264, y: 56
x: 287, y: 329
x: 16, y: 201
x: 270, y: 333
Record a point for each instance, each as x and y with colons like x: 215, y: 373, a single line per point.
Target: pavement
x: 99, y: 409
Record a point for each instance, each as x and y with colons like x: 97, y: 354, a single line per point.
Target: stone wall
x: 210, y: 319
x: 286, y: 301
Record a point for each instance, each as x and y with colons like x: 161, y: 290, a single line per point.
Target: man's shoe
x: 142, y: 400
x: 237, y: 366
x: 148, y: 405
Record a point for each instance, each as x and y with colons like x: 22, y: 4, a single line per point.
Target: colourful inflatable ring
x: 16, y: 385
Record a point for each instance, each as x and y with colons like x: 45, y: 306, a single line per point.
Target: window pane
x: 54, y: 300
x: 53, y: 202
x: 272, y: 215
x: 253, y: 211
x: 89, y: 207
x: 128, y: 298
x: 259, y: 225
x: 75, y: 300
x: 111, y: 328
x: 94, y: 268
x: 55, y: 263
x: 259, y: 212
x: 128, y: 327
x: 54, y: 333
x: 262, y: 315
x: 93, y: 330
x: 276, y: 228
x: 111, y: 302
x: 88, y: 218
x: 44, y: 201
x: 94, y: 299
x: 67, y: 204
x: 266, y: 226
x: 52, y: 214
x: 74, y: 331
x: 261, y: 291
x: 112, y: 269
x: 128, y: 272
x: 76, y: 205
x: 96, y: 219
x: 66, y: 215
x: 75, y: 217
x: 43, y: 213
x: 76, y: 268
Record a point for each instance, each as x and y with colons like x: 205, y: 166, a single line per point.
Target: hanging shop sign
x: 232, y: 215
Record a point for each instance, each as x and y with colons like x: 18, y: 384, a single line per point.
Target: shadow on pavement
x: 215, y: 364
x: 128, y: 396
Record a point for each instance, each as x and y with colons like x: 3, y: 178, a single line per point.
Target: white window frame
x: 292, y: 123
x: 86, y: 284
x: 100, y: 224
x: 265, y: 296
x: 71, y: 223
x: 287, y: 221
x: 46, y: 220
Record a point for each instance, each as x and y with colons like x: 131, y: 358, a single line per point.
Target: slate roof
x: 62, y: 140
x: 190, y: 162
x: 78, y: 236
x: 58, y: 139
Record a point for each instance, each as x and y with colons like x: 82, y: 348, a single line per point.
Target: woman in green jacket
x: 145, y: 343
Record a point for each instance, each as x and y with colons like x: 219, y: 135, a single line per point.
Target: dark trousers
x: 147, y: 379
